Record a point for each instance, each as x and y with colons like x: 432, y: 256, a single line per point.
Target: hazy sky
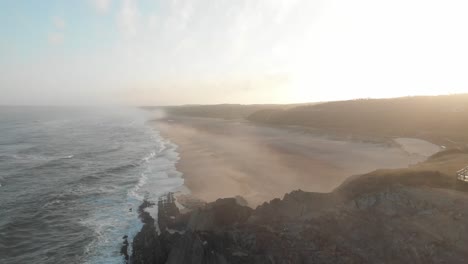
x: 229, y: 51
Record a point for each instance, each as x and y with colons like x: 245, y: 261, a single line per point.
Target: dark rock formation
x: 146, y: 244
x: 382, y: 217
x: 124, y: 249
x: 169, y: 216
x: 218, y: 215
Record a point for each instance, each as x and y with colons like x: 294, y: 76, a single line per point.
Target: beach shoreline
x: 222, y: 158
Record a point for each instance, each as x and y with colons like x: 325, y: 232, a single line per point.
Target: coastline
x: 220, y: 158
x: 338, y: 224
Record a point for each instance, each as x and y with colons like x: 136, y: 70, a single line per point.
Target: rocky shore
x: 388, y: 216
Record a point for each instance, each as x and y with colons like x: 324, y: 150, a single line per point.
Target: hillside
x: 223, y: 111
x: 440, y: 119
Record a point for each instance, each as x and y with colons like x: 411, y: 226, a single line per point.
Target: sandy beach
x: 222, y: 158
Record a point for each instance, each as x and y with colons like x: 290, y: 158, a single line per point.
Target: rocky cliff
x: 399, y: 216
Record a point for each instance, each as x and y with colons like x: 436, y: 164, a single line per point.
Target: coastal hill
x: 224, y: 111
x: 442, y: 120
x: 413, y: 215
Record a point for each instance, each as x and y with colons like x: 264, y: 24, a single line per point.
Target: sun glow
x: 237, y: 52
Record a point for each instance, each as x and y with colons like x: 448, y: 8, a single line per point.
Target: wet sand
x: 222, y: 158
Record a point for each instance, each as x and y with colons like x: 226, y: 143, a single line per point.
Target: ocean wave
x: 156, y: 175
x: 67, y: 185
x: 39, y: 159
x: 89, y: 154
x: 96, y: 175
x: 120, y: 169
x: 86, y: 192
x: 51, y: 203
x: 149, y: 156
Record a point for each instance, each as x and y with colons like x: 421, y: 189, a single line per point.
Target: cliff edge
x: 392, y: 216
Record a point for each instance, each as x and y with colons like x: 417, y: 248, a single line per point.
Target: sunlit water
x: 72, y: 180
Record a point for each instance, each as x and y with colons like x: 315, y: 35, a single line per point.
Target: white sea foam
x: 54, y: 202
x: 83, y: 163
x: 157, y: 176
x: 160, y: 175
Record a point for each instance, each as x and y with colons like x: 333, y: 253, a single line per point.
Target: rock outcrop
x: 146, y: 245
x: 382, y: 217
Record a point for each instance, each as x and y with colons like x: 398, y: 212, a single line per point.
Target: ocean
x: 71, y: 180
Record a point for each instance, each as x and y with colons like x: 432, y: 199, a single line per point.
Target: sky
x: 168, y: 52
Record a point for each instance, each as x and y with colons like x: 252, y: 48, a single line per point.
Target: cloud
x: 55, y: 38
x: 183, y: 50
x: 59, y: 23
x: 152, y: 21
x: 102, y: 6
x: 129, y: 18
